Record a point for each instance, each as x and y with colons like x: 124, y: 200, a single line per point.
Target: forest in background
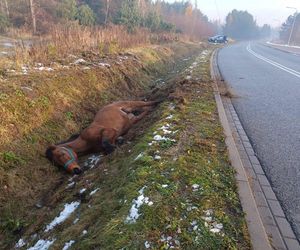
x: 39, y: 16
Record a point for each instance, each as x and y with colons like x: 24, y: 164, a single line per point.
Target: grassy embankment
x: 39, y: 107
x: 190, y: 183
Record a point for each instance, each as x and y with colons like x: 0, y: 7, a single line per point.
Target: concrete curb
x: 267, y: 224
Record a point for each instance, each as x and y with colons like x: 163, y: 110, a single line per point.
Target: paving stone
x: 276, y: 208
x: 285, y: 227
x: 263, y: 180
x: 253, y: 159
x: 268, y: 191
x: 266, y: 216
x: 250, y: 151
x: 258, y: 169
x: 275, y: 238
x: 260, y: 199
x: 292, y: 244
x: 244, y: 138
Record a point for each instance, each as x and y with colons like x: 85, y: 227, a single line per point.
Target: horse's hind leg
x: 131, y: 106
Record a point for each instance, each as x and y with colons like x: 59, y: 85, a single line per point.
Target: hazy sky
x: 272, y: 12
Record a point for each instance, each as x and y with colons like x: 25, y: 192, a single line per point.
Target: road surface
x: 266, y: 83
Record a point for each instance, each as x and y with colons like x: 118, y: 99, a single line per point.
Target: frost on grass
x: 68, y: 244
x: 68, y: 210
x: 136, y: 204
x: 20, y: 243
x: 42, y: 245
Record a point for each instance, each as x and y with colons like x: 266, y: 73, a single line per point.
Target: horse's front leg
x: 108, y: 140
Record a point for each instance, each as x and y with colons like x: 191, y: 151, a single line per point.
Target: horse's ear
x: 49, y: 152
x: 52, y: 147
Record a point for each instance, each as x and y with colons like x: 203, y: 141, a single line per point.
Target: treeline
x: 290, y: 30
x: 39, y: 16
x: 242, y: 25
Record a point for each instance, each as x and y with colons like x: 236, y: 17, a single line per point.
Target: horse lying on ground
x: 110, y: 122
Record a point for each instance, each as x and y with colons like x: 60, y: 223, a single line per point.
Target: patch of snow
x: 188, y: 78
x: 104, y: 65
x: 82, y: 190
x: 172, y: 106
x: 84, y: 232
x: 160, y: 138
x: 20, y: 243
x: 76, y: 220
x: 68, y: 244
x: 165, y: 185
x: 195, y: 187
x: 136, y: 204
x: 80, y: 61
x: 215, y: 230
x: 147, y: 245
x: 94, y: 191
x: 169, y: 117
x: 92, y: 161
x: 139, y: 156
x: 157, y: 157
x: 68, y: 210
x: 42, y: 245
x: 70, y: 185
x: 44, y: 69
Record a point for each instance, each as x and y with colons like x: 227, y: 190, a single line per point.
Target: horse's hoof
x: 77, y: 171
x: 120, y: 140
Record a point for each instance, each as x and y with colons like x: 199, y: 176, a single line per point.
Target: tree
x: 286, y: 29
x: 265, y: 31
x: 32, y: 11
x: 4, y: 23
x: 85, y: 15
x: 68, y: 9
x: 129, y: 15
x: 240, y: 25
x: 153, y: 21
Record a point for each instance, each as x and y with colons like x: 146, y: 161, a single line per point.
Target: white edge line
x: 278, y: 65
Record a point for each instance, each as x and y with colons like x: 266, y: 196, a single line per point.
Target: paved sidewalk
x: 266, y: 216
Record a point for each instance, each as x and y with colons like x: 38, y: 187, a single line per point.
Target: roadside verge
x: 267, y: 224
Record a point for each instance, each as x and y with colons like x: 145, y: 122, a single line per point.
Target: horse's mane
x: 72, y: 138
x: 49, y: 153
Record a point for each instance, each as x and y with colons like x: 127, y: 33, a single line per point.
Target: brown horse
x: 110, y: 122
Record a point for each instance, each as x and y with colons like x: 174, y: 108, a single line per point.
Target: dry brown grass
x: 72, y: 38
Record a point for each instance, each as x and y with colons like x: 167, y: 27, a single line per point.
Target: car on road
x: 218, y: 39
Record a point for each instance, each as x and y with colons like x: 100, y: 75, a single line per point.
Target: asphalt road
x: 266, y: 83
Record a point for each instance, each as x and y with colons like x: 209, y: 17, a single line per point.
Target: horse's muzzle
x: 74, y: 169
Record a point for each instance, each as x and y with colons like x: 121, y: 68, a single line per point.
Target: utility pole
x: 32, y: 10
x: 293, y: 25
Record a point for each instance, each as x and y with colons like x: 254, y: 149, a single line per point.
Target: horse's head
x: 65, y: 157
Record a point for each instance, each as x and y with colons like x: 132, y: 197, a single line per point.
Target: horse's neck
x: 78, y: 145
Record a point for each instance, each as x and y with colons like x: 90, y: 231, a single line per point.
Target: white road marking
x: 278, y: 65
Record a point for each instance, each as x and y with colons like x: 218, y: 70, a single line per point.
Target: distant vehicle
x: 218, y: 39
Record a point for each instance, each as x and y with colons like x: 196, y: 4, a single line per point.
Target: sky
x: 273, y: 12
